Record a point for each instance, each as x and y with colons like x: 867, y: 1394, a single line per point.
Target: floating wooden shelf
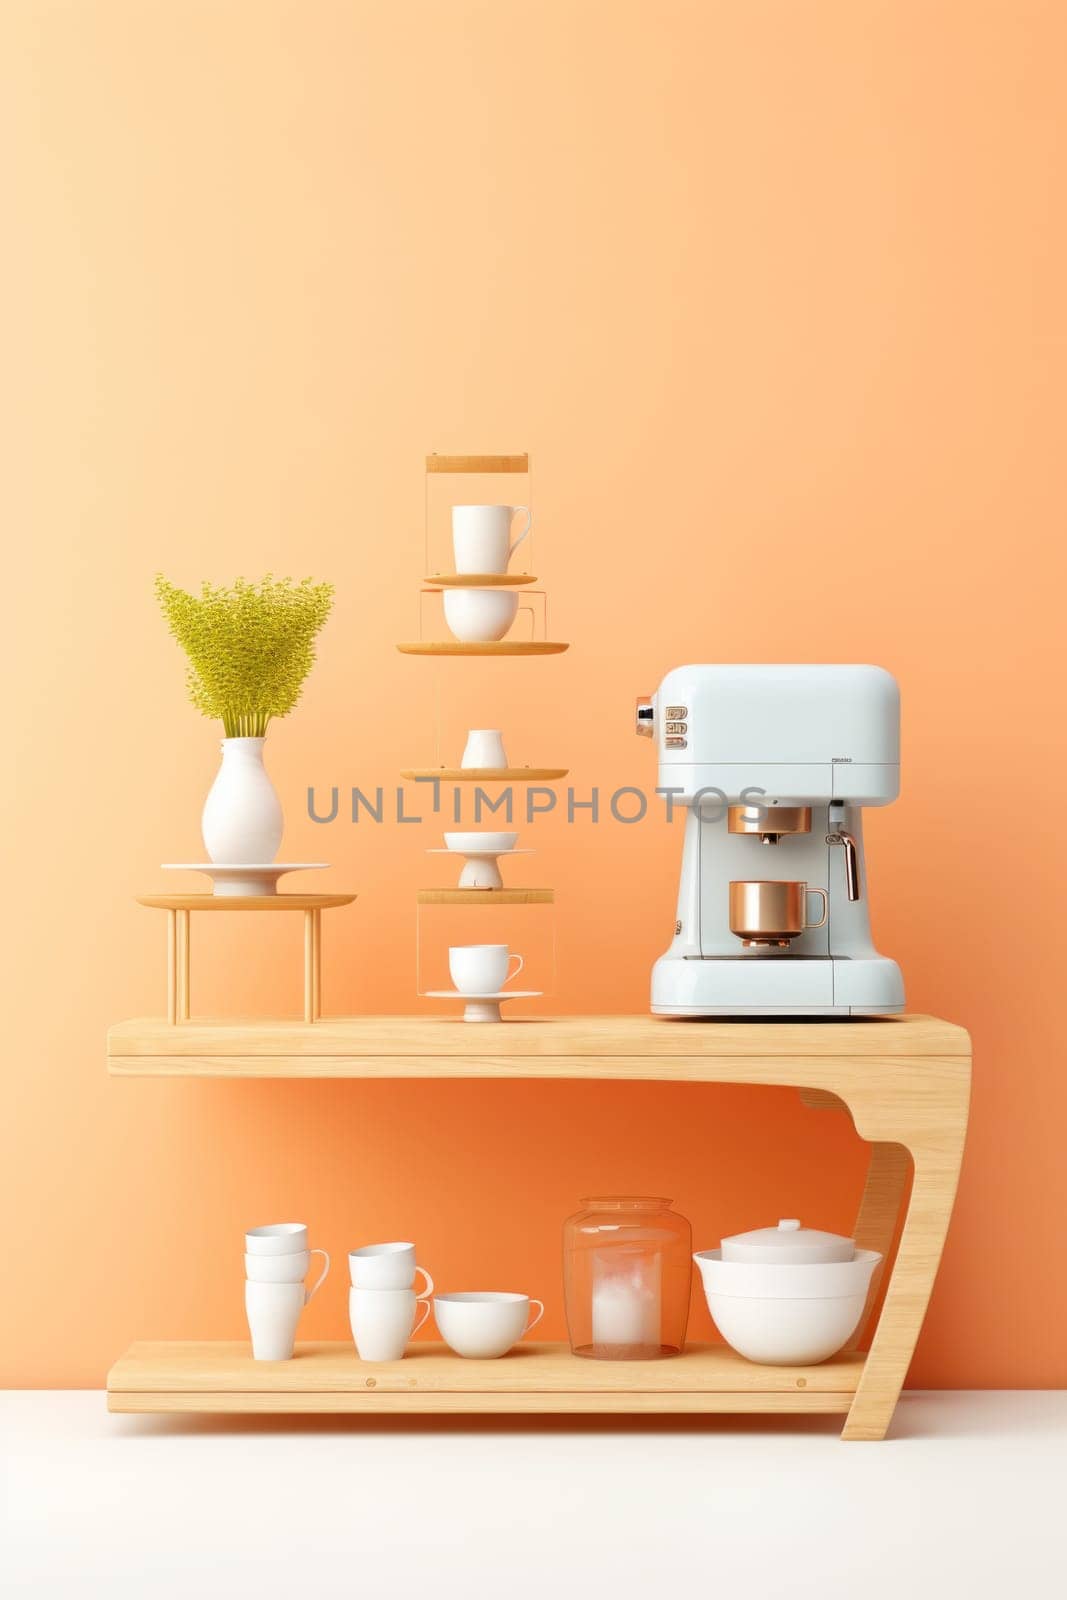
x: 905, y: 1081
x: 497, y: 647
x: 222, y: 1377
x: 436, y: 463
x: 486, y: 774
x: 485, y: 897
x: 479, y: 580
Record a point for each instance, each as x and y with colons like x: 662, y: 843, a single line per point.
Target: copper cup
x: 770, y: 912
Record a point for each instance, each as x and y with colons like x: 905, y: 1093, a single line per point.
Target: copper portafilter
x: 768, y: 823
x: 768, y: 913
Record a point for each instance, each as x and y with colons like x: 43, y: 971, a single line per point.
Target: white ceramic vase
x: 242, y: 820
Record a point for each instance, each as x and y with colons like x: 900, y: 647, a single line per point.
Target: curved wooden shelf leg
x: 933, y: 1191
x: 879, y: 1213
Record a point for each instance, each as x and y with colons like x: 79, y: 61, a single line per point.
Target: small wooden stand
x: 179, y: 908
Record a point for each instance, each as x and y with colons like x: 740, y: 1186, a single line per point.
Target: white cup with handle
x: 387, y: 1266
x: 292, y: 1268
x: 273, y: 1311
x: 481, y: 537
x: 276, y: 1239
x: 383, y: 1320
x: 482, y: 968
x: 482, y: 1324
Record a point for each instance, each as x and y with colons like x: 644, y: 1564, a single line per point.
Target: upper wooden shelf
x: 497, y: 647
x: 478, y: 580
x: 868, y: 1062
x: 436, y: 463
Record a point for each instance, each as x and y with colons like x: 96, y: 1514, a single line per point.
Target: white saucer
x: 249, y: 878
x: 480, y: 870
x: 483, y: 1007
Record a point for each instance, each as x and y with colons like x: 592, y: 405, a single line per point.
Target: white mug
x: 484, y: 748
x: 383, y: 1320
x: 273, y: 1311
x: 481, y: 535
x: 283, y: 1269
x: 483, y: 1325
x: 387, y: 1266
x: 480, y: 616
x: 276, y: 1239
x: 482, y: 968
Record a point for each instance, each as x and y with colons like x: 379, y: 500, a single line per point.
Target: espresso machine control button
x: 673, y: 742
x: 677, y: 727
x: 677, y: 711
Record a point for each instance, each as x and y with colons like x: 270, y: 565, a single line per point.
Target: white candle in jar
x: 626, y: 1301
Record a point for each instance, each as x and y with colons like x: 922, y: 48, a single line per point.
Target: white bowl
x: 481, y: 1325
x: 480, y: 616
x: 480, y: 843
x: 792, y: 1314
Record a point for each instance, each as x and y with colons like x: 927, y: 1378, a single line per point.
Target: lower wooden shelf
x: 222, y: 1377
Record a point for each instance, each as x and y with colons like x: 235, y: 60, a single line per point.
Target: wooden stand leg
x: 317, y: 952
x: 172, y: 967
x: 879, y: 1213
x: 929, y: 1209
x: 182, y: 965
x: 312, y: 965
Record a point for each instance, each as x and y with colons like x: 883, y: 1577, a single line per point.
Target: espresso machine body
x: 774, y: 765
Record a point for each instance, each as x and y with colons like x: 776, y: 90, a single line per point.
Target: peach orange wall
x: 774, y: 296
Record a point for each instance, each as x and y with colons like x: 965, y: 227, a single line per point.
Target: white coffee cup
x: 480, y: 616
x: 383, y: 1320
x: 276, y: 1239
x: 481, y: 537
x: 484, y: 748
x: 482, y: 968
x: 291, y: 1268
x: 273, y: 1311
x: 483, y: 1325
x: 387, y: 1266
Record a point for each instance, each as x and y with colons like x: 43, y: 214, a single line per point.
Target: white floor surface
x: 966, y: 1498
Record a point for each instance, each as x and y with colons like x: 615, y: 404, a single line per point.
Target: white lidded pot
x: 788, y: 1243
x: 788, y: 1295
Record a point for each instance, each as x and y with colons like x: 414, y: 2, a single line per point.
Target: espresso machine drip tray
x: 764, y: 954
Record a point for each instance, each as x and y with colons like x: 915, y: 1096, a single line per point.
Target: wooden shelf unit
x: 537, y: 1378
x: 905, y: 1082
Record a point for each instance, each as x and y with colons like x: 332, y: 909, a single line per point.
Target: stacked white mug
x: 277, y: 1259
x: 382, y: 1301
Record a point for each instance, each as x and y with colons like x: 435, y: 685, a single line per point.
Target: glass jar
x: 627, y: 1269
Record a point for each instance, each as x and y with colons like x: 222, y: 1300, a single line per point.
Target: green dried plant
x: 249, y: 648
